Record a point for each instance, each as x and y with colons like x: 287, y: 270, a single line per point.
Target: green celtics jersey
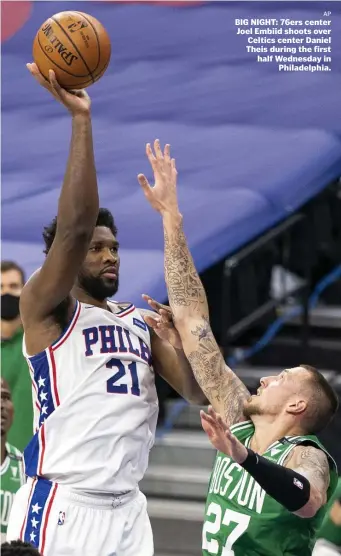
x: 12, y: 477
x: 242, y: 520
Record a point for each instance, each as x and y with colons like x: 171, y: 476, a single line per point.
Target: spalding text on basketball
x: 66, y: 54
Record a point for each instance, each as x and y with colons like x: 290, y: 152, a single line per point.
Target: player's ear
x: 297, y: 406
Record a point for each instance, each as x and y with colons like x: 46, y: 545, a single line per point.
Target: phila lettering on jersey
x: 95, y: 402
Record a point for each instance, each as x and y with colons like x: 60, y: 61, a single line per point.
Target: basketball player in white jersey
x: 93, y: 384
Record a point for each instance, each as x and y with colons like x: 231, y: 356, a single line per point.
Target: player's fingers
x: 80, y: 93
x: 204, y: 416
x: 151, y: 321
x: 166, y: 153
x: 229, y: 435
x: 220, y: 421
x: 158, y: 151
x: 144, y: 184
x: 56, y: 88
x: 155, y: 305
x: 173, y: 163
x: 147, y: 298
x: 166, y: 323
x: 33, y: 69
x: 151, y: 158
x: 207, y: 428
x: 53, y: 81
x: 212, y: 413
x: 166, y: 312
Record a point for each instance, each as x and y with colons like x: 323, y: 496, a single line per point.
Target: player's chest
x: 108, y: 351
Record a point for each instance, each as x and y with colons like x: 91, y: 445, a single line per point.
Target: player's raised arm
x: 77, y: 210
x: 187, y: 296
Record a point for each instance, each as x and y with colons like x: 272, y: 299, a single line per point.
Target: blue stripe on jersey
x: 31, y: 456
x: 35, y: 512
x: 41, y: 377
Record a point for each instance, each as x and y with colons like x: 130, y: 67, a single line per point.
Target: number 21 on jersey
x: 230, y: 517
x: 118, y: 383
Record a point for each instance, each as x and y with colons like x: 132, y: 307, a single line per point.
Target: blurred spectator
x: 12, y: 472
x: 18, y: 548
x: 13, y: 364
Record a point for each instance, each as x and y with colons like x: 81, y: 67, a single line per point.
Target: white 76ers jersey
x: 95, y: 403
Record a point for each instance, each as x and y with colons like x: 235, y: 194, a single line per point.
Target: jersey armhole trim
x: 66, y: 333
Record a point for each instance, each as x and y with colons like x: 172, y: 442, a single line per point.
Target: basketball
x: 76, y: 46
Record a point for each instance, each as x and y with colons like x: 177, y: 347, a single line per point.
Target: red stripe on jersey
x: 125, y: 314
x: 22, y: 531
x: 54, y: 376
x: 42, y: 453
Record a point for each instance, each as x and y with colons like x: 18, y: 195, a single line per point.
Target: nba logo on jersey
x: 298, y: 483
x: 61, y: 518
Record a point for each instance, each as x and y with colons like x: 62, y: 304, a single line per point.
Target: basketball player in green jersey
x: 12, y: 476
x: 272, y: 477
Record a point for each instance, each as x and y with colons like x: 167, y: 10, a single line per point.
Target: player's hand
x: 162, y: 196
x: 162, y: 323
x: 77, y: 102
x: 221, y: 437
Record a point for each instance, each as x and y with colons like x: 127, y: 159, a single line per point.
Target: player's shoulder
x: 308, y: 448
x: 13, y: 452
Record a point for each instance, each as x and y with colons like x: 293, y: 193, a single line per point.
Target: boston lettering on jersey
x: 114, y: 339
x: 245, y: 492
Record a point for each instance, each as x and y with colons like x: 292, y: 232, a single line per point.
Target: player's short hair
x: 18, y: 548
x: 324, y: 401
x: 104, y: 218
x: 11, y: 265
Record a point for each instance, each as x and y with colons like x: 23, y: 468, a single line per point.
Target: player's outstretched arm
x: 187, y: 296
x: 77, y: 210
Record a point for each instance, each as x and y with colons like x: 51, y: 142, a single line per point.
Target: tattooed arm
x: 169, y: 360
x: 187, y: 297
x: 188, y: 301
x: 313, y: 464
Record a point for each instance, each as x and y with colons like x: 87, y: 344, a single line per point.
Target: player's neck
x: 84, y: 297
x: 9, y: 328
x: 3, y: 448
x: 269, y: 429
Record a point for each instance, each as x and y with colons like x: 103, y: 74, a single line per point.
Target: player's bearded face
x: 98, y: 276
x: 99, y: 287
